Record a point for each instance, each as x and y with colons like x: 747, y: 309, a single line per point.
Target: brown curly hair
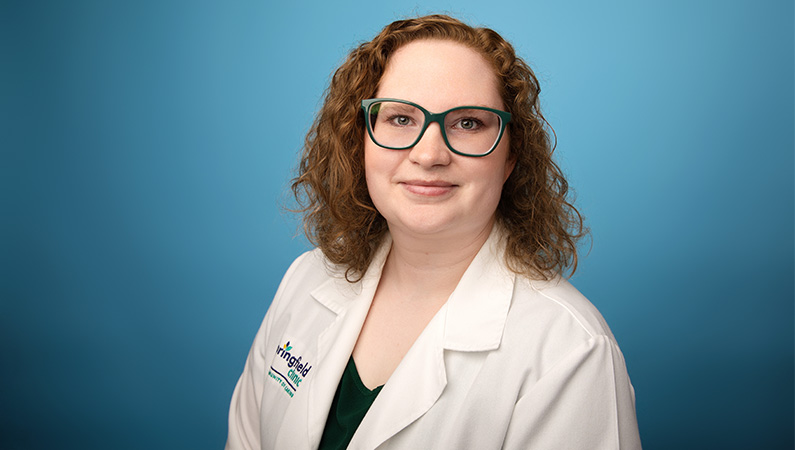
x: 542, y: 226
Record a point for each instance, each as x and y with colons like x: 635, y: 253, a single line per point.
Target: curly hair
x: 541, y: 225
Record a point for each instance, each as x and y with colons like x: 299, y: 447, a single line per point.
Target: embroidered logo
x: 295, y: 367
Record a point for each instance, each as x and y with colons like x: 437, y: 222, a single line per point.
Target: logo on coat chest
x: 289, y: 369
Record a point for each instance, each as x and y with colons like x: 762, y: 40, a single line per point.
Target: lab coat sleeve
x: 246, y: 404
x: 585, y: 401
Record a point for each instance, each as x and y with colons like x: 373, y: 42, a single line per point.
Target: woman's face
x: 428, y: 190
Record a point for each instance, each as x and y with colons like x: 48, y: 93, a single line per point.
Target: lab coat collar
x: 478, y: 308
x: 473, y: 319
x: 337, y: 293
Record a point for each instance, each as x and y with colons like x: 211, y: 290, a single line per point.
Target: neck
x: 430, y: 266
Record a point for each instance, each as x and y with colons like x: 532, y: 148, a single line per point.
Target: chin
x: 420, y: 224
x: 433, y: 224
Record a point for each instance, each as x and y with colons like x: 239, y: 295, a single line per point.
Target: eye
x: 468, y: 123
x: 400, y: 121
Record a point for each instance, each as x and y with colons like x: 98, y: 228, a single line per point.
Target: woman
x: 432, y: 314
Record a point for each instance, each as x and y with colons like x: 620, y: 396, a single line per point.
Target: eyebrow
x: 479, y: 105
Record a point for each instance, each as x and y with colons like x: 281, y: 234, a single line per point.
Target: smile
x: 428, y: 188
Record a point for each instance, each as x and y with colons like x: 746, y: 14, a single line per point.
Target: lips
x: 428, y: 188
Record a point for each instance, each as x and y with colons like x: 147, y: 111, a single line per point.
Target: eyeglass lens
x: 399, y: 125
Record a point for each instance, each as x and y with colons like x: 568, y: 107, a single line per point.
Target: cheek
x: 380, y: 164
x: 488, y: 182
x: 493, y: 181
x: 377, y: 171
x: 370, y: 164
x: 499, y: 171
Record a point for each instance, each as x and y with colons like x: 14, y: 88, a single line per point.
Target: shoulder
x: 560, y: 296
x: 311, y: 264
x: 308, y: 271
x: 553, y: 302
x: 550, y: 320
x: 308, y: 262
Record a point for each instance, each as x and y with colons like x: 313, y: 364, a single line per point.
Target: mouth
x: 428, y: 188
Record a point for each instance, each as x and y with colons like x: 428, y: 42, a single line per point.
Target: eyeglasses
x: 467, y: 130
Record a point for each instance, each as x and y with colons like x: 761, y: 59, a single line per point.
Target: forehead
x: 440, y: 74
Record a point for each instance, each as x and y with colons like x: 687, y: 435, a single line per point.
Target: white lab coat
x: 507, y: 362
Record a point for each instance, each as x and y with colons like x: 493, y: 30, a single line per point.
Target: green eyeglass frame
x: 430, y: 118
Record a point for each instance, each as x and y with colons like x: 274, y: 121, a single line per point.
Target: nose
x: 431, y: 150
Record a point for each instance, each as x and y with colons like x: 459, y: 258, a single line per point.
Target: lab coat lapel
x: 351, y: 302
x: 412, y: 390
x: 473, y: 319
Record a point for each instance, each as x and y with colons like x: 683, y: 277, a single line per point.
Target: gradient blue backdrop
x: 146, y: 147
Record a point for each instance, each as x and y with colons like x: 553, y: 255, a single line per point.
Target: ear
x: 510, y: 163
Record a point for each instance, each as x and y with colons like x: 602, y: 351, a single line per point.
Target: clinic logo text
x: 298, y: 369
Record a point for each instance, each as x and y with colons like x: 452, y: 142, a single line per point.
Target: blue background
x: 147, y: 146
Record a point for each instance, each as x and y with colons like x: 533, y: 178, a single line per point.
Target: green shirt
x: 350, y: 404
